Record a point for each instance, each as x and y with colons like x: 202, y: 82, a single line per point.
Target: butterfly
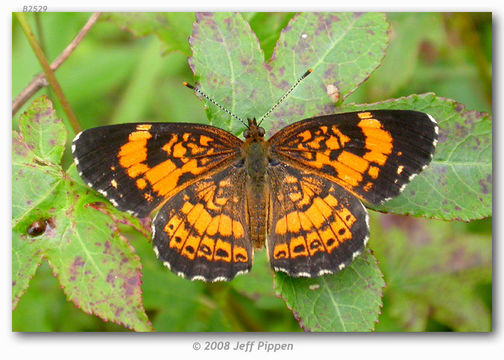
x: 298, y: 193
x: 219, y: 198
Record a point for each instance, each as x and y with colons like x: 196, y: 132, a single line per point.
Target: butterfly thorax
x: 255, y: 155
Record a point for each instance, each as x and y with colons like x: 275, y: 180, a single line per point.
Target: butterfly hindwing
x: 201, y: 232
x: 372, y: 154
x: 138, y: 166
x: 315, y: 226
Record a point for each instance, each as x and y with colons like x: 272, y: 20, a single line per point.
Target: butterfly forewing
x: 139, y: 166
x: 372, y: 154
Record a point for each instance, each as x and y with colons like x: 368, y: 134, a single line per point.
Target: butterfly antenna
x: 285, y: 95
x: 214, y: 102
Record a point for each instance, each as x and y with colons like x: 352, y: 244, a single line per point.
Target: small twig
x: 40, y: 80
x: 47, y: 71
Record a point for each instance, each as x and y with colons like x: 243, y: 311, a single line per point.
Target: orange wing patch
x: 187, y: 156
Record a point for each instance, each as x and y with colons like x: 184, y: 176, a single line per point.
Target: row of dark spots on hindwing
x: 212, y: 200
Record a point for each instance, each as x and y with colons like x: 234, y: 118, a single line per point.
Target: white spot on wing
x: 77, y: 137
x: 242, y: 272
x: 324, y: 272
x: 156, y: 251
x: 432, y: 119
x: 367, y: 218
x: 302, y: 274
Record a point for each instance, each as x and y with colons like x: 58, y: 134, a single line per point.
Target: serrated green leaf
x: 45, y: 140
x: 341, y: 48
x: 25, y: 261
x: 432, y: 269
x: 173, y: 29
x: 229, y: 65
x: 458, y: 183
x: 36, y: 150
x: 95, y: 265
x: 348, y: 301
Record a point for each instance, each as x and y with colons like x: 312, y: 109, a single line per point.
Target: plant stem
x: 48, y: 72
x: 40, y: 80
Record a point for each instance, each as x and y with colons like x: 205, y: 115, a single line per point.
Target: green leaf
x: 229, y: 65
x: 173, y: 29
x: 48, y: 142
x: 95, y: 265
x: 25, y: 261
x: 36, y: 151
x: 432, y: 270
x: 458, y: 183
x: 341, y: 49
x: 348, y: 301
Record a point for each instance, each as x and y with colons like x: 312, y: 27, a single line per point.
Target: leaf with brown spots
x: 56, y: 218
x: 343, y: 49
x: 348, y: 301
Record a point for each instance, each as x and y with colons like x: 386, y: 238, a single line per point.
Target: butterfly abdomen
x: 255, y: 164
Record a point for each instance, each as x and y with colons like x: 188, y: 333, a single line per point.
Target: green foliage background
x: 438, y: 274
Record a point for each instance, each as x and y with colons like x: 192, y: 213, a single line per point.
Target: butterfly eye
x: 246, y: 133
x: 261, y: 131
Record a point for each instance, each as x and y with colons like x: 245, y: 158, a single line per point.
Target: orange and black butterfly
x: 220, y: 197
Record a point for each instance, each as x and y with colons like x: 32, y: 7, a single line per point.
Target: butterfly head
x: 254, y: 131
